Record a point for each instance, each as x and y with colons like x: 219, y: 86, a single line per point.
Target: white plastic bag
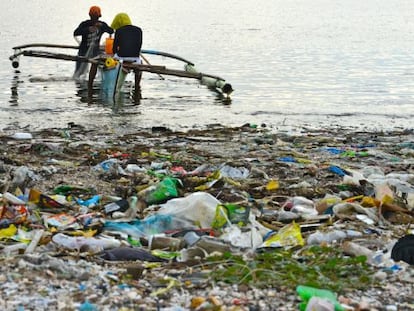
x: 198, y: 208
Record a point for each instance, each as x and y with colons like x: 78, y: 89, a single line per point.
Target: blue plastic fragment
x: 287, y: 159
x: 337, y: 170
x: 334, y: 150
x: 90, y: 202
x: 87, y: 306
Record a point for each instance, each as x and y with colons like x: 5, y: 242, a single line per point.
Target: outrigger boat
x: 114, y: 72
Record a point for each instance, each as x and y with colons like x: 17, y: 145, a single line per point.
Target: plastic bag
x: 162, y: 191
x: 289, y: 235
x: 247, y: 239
x: 307, y: 292
x: 151, y: 225
x: 197, y: 209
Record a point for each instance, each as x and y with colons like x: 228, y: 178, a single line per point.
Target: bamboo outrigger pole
x: 210, y: 81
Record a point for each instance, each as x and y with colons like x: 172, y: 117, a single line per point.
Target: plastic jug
x: 109, y: 42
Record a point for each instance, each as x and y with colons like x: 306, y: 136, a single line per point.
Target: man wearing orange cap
x: 91, y: 31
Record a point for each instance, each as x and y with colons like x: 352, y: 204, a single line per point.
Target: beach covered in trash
x: 221, y: 218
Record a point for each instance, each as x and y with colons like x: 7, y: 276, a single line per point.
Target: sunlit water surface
x: 291, y: 63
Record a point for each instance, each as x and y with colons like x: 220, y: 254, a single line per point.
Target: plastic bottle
x: 307, y: 292
x: 109, y: 42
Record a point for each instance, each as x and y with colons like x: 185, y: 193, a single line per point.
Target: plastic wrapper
x: 289, y: 235
x: 230, y: 214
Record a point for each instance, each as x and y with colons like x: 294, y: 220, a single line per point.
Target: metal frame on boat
x: 114, y: 75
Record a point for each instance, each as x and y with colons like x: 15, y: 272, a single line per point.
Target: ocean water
x: 292, y: 64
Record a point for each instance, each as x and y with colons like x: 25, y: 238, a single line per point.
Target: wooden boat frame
x: 211, y: 81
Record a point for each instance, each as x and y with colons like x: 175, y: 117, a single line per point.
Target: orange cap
x: 95, y: 11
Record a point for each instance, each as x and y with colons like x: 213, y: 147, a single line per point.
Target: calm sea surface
x: 292, y: 63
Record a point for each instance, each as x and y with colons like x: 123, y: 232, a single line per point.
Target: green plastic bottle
x: 307, y: 292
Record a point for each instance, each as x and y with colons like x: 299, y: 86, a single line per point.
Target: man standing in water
x: 91, y: 31
x: 127, y: 45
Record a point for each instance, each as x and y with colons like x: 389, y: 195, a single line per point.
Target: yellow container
x: 109, y: 43
x: 110, y: 63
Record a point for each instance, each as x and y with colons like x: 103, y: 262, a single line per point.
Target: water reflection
x: 14, y: 94
x: 222, y: 98
x: 100, y: 98
x: 82, y: 91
